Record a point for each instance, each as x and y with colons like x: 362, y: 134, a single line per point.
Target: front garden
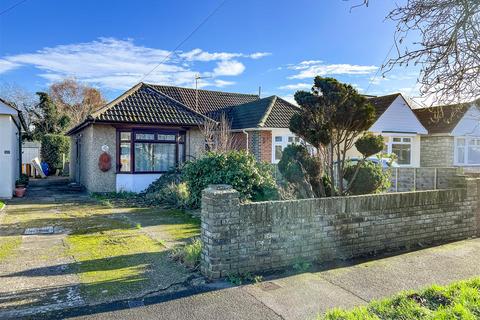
x: 114, y: 252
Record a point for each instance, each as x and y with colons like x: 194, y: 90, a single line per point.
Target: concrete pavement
x: 306, y: 295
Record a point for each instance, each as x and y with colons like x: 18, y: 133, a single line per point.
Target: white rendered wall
x: 135, y: 182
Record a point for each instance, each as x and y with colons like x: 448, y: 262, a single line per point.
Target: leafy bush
x: 174, y: 194
x: 371, y: 178
x: 298, y: 167
x: 189, y: 254
x: 54, y: 146
x: 252, y: 179
x: 370, y: 144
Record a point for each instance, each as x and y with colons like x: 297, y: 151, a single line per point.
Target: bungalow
x: 453, y: 135
x: 397, y: 122
x: 132, y: 140
x: 11, y: 126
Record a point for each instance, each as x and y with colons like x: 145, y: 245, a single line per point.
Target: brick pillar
x: 220, y: 219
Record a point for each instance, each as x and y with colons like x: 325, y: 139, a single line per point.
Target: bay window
x: 467, y: 151
x: 149, y: 151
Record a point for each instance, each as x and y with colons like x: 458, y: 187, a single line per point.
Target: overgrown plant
x: 252, y: 179
x: 189, y: 255
x: 333, y: 116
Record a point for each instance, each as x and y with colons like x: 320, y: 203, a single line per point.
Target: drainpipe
x: 246, y: 134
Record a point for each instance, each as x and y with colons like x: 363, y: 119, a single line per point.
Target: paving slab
x: 36, y: 279
x: 232, y: 304
x: 306, y: 295
x: 384, y: 277
x: 302, y: 296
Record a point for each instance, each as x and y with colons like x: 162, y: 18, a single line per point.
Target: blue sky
x: 277, y: 44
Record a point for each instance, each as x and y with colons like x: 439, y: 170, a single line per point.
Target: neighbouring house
x: 11, y: 126
x: 151, y: 128
x: 397, y: 122
x: 453, y: 136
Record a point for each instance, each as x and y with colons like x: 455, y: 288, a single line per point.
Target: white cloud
x: 228, y: 68
x: 296, y: 86
x: 118, y: 64
x: 223, y: 83
x: 312, y: 68
x: 290, y: 98
x: 6, y: 65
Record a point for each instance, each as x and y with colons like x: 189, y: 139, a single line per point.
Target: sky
x: 280, y: 45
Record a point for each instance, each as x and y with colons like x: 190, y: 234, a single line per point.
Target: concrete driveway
x: 306, y: 295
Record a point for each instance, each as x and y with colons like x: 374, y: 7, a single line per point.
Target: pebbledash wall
x: 263, y: 236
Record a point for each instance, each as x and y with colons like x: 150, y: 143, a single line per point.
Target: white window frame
x: 467, y: 139
x: 284, y: 143
x: 390, y: 142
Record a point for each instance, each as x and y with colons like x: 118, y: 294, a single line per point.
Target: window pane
x: 125, y: 136
x: 154, y: 156
x: 144, y: 136
x: 403, y: 152
x: 290, y: 139
x: 407, y: 139
x: 397, y: 139
x: 144, y: 157
x: 278, y: 152
x: 473, y: 151
x: 181, y: 153
x: 181, y: 138
x: 125, y: 157
x: 164, y: 156
x: 460, y: 154
x: 278, y: 139
x: 461, y: 142
x: 166, y: 137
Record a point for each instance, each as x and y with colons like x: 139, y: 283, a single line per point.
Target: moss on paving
x: 116, y: 256
x: 114, y: 263
x: 460, y: 300
x: 8, y: 244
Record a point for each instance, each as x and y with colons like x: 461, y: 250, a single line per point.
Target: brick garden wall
x: 264, y: 236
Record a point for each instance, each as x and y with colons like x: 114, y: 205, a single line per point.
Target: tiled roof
x: 441, y: 119
x: 270, y: 112
x: 145, y: 105
x: 208, y: 101
x: 382, y: 103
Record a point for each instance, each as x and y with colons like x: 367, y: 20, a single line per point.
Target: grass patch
x: 460, y: 300
x: 114, y: 263
x: 8, y: 245
x: 2, y: 205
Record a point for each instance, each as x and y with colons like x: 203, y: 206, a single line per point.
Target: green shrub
x: 371, y: 178
x: 302, y: 170
x: 370, y: 144
x: 174, y: 194
x: 252, y: 179
x: 53, y: 149
x: 189, y: 254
